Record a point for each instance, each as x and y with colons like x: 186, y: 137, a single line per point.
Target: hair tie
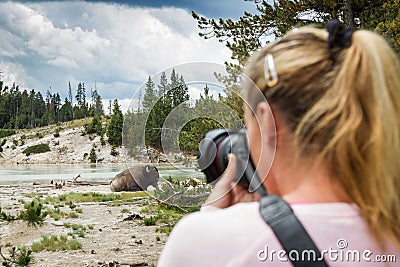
x: 339, y: 35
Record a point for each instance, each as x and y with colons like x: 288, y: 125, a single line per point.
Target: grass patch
x: 54, y: 243
x: 56, y: 213
x: 152, y: 220
x: 6, y: 132
x: 73, y: 215
x: 125, y: 210
x: 56, y: 216
x: 166, y: 215
x: 79, y: 210
x: 93, y: 197
x: 81, y: 233
x: 78, y: 229
x: 36, y: 149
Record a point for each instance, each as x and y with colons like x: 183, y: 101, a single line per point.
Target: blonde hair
x: 343, y: 107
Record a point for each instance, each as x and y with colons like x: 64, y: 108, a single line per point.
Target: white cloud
x: 10, y: 72
x: 115, y: 45
x: 124, y: 104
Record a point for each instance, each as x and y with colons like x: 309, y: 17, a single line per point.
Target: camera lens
x: 213, y: 153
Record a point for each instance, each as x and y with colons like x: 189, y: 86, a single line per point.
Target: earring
x: 271, y: 77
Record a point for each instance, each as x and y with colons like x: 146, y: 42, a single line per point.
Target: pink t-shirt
x: 238, y: 236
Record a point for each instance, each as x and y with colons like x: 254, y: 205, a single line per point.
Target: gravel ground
x: 111, y: 242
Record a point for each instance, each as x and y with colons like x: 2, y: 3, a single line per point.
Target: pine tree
x: 109, y: 107
x: 98, y: 106
x: 70, y: 100
x: 163, y: 87
x: 92, y: 155
x: 95, y: 126
x: 79, y: 95
x: 66, y: 113
x: 69, y: 92
x: 149, y: 97
x: 56, y: 103
x: 114, y: 131
x: 275, y: 18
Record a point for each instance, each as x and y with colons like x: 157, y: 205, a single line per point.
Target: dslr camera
x: 214, y: 150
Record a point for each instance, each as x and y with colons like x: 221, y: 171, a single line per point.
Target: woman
x: 335, y: 98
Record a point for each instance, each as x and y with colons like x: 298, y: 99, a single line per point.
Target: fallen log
x: 89, y: 183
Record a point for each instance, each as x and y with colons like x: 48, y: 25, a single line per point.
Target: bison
x: 136, y: 178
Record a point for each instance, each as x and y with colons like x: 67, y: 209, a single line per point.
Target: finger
x: 230, y: 172
x: 221, y: 194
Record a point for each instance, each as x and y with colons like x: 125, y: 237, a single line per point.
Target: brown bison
x: 136, y: 178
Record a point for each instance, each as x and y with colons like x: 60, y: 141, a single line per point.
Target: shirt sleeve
x: 182, y: 245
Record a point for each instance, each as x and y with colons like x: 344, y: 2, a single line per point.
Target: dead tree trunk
x: 348, y: 15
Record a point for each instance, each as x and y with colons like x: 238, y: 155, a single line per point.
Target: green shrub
x: 81, y: 233
x: 6, y: 132
x: 57, y: 132
x: 113, y: 152
x: 18, y: 256
x: 73, y: 215
x: 33, y: 213
x: 79, y: 210
x: 152, y: 220
x: 36, y: 149
x: 92, y: 156
x: 6, y: 217
x: 102, y: 141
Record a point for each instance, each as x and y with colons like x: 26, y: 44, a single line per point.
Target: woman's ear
x: 266, y: 123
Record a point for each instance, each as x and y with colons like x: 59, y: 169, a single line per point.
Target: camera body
x: 214, y: 150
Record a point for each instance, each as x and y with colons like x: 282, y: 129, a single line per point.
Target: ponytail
x: 365, y: 147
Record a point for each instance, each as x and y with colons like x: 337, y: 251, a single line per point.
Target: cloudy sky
x: 117, y: 44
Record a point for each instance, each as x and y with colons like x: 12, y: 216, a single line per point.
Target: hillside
x: 69, y: 147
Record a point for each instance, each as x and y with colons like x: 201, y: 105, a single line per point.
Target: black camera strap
x: 299, y: 247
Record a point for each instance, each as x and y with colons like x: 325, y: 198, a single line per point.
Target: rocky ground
x: 71, y: 146
x: 113, y: 240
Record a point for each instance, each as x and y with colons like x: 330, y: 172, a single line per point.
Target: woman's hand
x: 227, y: 192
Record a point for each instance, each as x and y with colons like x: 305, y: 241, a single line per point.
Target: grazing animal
x: 136, y: 178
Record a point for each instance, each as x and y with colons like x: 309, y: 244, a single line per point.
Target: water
x: 14, y: 174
